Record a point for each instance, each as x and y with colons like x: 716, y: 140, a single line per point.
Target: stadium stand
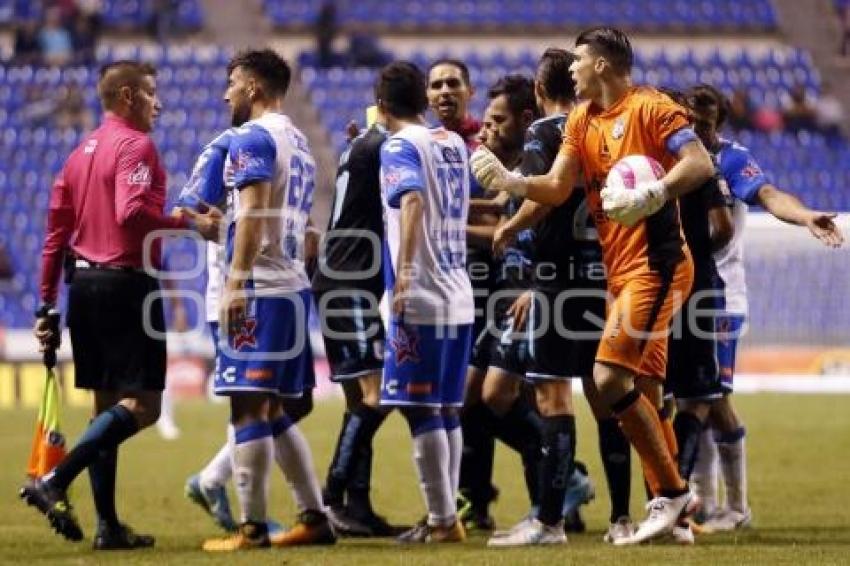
x: 190, y: 81
x: 191, y: 78
x: 424, y: 14
x: 188, y: 14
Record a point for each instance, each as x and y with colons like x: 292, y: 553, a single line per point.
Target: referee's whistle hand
x: 208, y: 224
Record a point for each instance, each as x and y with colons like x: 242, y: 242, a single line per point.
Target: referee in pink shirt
x: 108, y: 197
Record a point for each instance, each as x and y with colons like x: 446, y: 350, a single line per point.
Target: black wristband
x: 44, y: 310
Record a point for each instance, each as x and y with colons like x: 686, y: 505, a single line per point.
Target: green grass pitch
x: 799, y: 457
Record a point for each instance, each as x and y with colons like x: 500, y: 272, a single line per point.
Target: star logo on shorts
x: 406, y: 346
x: 246, y: 337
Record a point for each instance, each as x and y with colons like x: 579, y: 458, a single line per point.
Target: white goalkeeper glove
x: 487, y: 168
x: 630, y: 206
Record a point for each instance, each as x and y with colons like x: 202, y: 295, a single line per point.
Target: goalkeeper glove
x: 630, y: 206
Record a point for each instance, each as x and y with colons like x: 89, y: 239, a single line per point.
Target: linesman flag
x: 48, y: 442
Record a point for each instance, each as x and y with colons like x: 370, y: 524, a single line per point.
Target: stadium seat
x: 756, y: 15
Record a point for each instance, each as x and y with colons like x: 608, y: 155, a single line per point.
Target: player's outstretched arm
x: 552, y: 188
x: 788, y: 208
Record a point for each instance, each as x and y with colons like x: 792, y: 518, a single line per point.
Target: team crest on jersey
x: 141, y: 175
x: 91, y: 145
x: 245, y: 336
x: 406, y: 346
x: 751, y: 171
x: 619, y: 128
x: 394, y: 175
x: 245, y: 160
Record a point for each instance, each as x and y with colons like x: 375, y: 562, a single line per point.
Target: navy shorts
x: 564, y: 346
x: 353, y: 333
x: 693, y: 368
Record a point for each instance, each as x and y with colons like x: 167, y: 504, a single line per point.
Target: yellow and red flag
x: 48, y: 442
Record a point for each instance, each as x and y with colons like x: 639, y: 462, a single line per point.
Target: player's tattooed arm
x: 528, y: 215
x: 788, y: 208
x: 495, y: 205
x: 722, y: 227
x: 480, y: 235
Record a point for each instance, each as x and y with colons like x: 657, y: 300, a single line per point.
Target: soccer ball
x: 632, y: 170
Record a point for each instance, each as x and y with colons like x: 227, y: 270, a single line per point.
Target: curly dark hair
x: 267, y: 66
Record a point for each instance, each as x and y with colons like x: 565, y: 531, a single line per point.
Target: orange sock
x: 669, y: 434
x: 640, y: 423
x: 650, y: 478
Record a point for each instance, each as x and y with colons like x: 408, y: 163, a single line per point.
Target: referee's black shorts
x: 112, y: 350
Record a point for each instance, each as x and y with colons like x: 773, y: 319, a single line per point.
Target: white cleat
x: 623, y: 528
x: 534, y: 533
x: 683, y: 534
x: 664, y: 513
x: 523, y: 524
x: 726, y: 520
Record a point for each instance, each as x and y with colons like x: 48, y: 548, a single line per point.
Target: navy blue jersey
x: 694, y: 208
x: 356, y: 208
x: 564, y: 245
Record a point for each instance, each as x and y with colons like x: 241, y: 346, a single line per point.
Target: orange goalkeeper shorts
x: 637, y: 324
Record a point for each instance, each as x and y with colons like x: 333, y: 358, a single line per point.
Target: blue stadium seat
x: 518, y: 14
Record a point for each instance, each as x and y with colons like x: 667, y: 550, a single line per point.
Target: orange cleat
x: 249, y: 537
x: 311, y: 528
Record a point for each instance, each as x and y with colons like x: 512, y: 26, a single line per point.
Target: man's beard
x: 240, y: 115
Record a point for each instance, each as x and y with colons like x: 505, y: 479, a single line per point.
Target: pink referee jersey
x: 109, y: 195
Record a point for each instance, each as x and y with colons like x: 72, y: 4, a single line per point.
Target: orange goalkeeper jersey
x: 639, y: 124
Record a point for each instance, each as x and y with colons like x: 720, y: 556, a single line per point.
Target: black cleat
x: 573, y: 523
x: 54, y: 505
x: 379, y: 527
x: 344, y: 524
x: 121, y: 537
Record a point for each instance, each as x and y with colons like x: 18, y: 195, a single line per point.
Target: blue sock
x: 102, y: 472
x: 106, y: 432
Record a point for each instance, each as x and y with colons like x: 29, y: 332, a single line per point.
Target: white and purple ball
x: 633, y: 170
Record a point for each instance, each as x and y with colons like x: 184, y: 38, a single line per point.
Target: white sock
x: 455, y: 437
x: 733, y: 463
x: 431, y: 456
x: 704, y: 478
x: 220, y: 469
x: 294, y: 458
x: 252, y: 455
x: 166, y: 409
